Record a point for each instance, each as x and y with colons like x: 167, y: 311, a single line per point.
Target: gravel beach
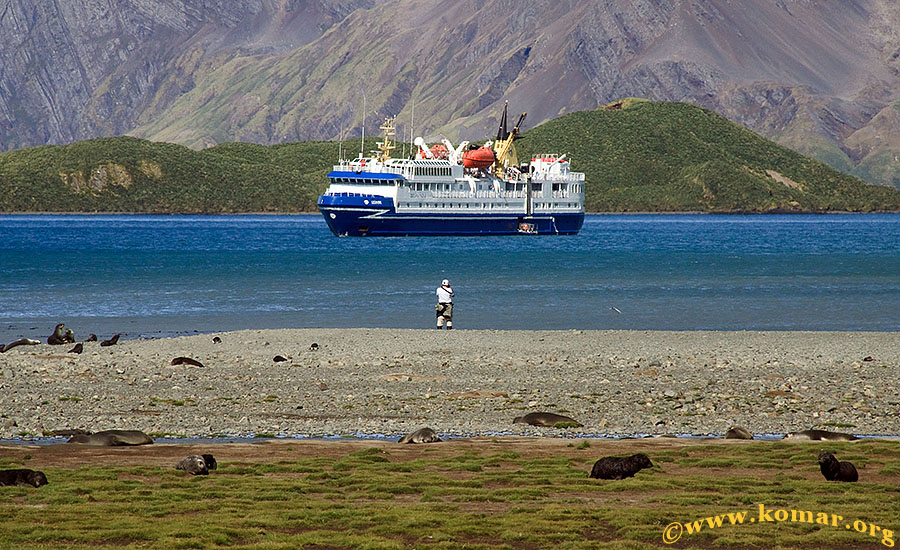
x: 388, y: 382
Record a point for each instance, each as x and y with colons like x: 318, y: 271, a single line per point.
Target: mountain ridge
x: 821, y: 77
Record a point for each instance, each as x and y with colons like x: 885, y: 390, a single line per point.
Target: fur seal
x: 819, y: 435
x: 69, y: 337
x: 78, y: 348
x: 59, y: 335
x: 545, y: 419
x: 210, y: 461
x: 194, y: 465
x: 425, y: 435
x: 836, y: 471
x: 113, y: 438
x: 614, y: 467
x: 279, y: 359
x: 19, y: 342
x: 314, y: 347
x: 91, y: 337
x: 217, y: 340
x: 736, y: 432
x: 111, y: 342
x: 22, y: 476
x: 186, y: 361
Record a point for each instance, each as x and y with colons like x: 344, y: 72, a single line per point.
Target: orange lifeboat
x: 481, y: 157
x: 439, y: 151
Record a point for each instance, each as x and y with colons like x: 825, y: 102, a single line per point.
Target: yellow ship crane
x: 387, y: 145
x: 504, y: 149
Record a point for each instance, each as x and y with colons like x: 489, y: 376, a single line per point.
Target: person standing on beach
x: 444, y: 307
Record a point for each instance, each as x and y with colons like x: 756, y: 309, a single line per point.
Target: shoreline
x: 462, y: 383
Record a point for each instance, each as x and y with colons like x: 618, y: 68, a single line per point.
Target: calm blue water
x: 149, y: 276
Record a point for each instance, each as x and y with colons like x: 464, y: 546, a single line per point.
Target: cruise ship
x: 467, y: 190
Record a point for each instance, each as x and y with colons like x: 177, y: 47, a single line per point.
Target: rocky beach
x: 387, y: 382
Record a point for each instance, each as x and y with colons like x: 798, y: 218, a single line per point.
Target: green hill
x: 644, y: 156
x: 638, y: 156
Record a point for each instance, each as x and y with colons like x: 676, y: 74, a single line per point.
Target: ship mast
x: 503, y: 147
x: 387, y: 145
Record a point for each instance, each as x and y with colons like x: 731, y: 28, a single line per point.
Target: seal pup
x: 615, y: 467
x: 111, y: 342
x: 279, y: 359
x: 91, y: 337
x: 736, y: 432
x: 113, y: 438
x: 78, y: 348
x: 217, y: 340
x: 314, y: 347
x: 186, y: 361
x: 19, y: 342
x: 69, y: 337
x: 210, y: 461
x: 424, y: 435
x: 22, y: 476
x: 59, y: 335
x: 545, y: 419
x: 194, y: 465
x: 836, y: 471
x: 819, y: 435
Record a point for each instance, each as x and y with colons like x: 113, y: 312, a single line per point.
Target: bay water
x: 152, y: 276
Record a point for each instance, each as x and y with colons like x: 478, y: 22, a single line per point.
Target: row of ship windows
x: 485, y: 206
x: 365, y: 181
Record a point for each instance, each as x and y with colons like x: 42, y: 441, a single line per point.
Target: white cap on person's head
x: 445, y: 282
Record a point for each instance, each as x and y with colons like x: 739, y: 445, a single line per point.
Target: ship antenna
x: 362, y: 140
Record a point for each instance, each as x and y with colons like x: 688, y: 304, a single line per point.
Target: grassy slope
x: 646, y: 157
x: 484, y: 497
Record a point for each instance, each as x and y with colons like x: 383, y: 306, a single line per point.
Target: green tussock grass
x: 473, y: 499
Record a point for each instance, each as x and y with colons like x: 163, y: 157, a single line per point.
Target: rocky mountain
x: 820, y: 76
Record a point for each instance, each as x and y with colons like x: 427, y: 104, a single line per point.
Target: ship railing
x: 571, y: 177
x: 478, y: 195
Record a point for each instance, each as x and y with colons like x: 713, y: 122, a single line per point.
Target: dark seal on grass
x: 210, y: 461
x: 547, y: 420
x: 22, y: 476
x: 820, y: 435
x: 194, y: 465
x: 836, y: 471
x: 425, y: 435
x: 113, y: 438
x: 615, y: 467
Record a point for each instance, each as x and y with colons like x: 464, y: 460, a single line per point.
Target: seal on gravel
x: 614, y: 467
x: 186, y: 361
x: 547, y: 420
x: 836, y: 471
x: 19, y: 342
x: 425, y: 435
x: 78, y: 348
x: 111, y: 342
x: 59, y: 335
x: 22, y: 476
x: 820, y: 435
x: 736, y: 432
x: 194, y: 465
x: 113, y: 438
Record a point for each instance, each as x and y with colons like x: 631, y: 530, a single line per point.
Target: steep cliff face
x: 812, y: 74
x: 82, y: 68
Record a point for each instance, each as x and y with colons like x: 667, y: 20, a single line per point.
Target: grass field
x: 478, y: 493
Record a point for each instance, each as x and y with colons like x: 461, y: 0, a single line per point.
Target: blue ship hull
x: 358, y: 216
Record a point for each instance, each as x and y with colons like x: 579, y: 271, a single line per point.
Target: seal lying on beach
x: 836, y: 471
x: 113, y: 438
x: 194, y: 465
x: 425, y: 435
x: 111, y: 342
x: 91, y: 337
x: 736, y: 432
x: 819, y: 435
x: 614, y: 467
x: 78, y: 348
x: 545, y: 419
x: 19, y: 342
x: 22, y: 476
x: 186, y: 361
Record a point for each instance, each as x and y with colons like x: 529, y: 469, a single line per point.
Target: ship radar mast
x: 387, y: 145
